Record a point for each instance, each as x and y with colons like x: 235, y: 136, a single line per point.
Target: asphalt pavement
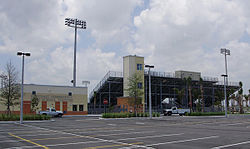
x: 94, y: 132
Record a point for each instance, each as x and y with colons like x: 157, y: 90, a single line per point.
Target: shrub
x: 14, y: 117
x: 125, y: 115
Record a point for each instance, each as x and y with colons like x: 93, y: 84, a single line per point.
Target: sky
x: 170, y: 34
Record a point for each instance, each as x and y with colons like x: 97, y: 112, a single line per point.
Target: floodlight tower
x: 75, y: 23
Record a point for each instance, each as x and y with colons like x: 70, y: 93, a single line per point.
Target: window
x: 70, y: 94
x: 139, y: 66
x: 80, y: 107
x: 33, y: 92
x: 139, y: 85
x: 74, y: 107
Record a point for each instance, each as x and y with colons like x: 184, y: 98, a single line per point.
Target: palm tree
x: 219, y: 95
x: 180, y: 94
x: 233, y: 98
x: 189, y: 83
x: 196, y: 96
x: 240, y: 96
x: 202, y: 94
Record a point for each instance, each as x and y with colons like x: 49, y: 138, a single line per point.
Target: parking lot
x: 162, y: 132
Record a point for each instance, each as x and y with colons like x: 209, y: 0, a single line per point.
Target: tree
x: 246, y: 98
x: 219, y: 96
x: 189, y: 83
x: 135, y: 89
x: 197, y: 101
x: 240, y: 97
x: 34, y: 103
x: 180, y: 94
x: 202, y: 94
x: 10, y: 92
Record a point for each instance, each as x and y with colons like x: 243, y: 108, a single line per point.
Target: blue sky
x: 171, y: 34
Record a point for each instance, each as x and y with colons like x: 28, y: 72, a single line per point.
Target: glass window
x: 80, y: 107
x: 74, y: 107
x: 139, y: 85
x: 139, y: 66
x: 70, y: 94
x: 33, y: 92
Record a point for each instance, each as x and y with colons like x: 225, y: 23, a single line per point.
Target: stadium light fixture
x: 75, y: 23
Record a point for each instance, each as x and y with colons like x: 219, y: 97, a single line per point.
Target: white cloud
x: 188, y: 34
x: 171, y: 34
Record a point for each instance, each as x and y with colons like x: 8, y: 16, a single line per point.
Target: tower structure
x: 133, y: 64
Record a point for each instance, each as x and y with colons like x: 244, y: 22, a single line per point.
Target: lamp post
x: 19, y: 53
x: 149, y: 88
x: 225, y: 52
x: 225, y: 94
x: 75, y: 23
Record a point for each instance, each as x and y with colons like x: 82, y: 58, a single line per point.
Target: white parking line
x: 8, y: 141
x: 111, y: 124
x: 230, y: 145
x: 89, y: 137
x: 117, y: 134
x: 151, y: 137
x: 234, y: 124
x: 139, y: 123
x: 181, y: 141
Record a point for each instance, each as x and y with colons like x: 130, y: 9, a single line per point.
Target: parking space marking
x: 139, y: 123
x: 25, y: 132
x: 59, y: 138
x: 234, y: 124
x: 116, y: 145
x: 181, y: 141
x: 117, y: 134
x: 28, y: 141
x: 8, y: 141
x: 150, y: 137
x: 90, y: 137
x: 230, y: 145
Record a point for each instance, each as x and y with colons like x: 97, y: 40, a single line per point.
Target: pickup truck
x: 175, y: 110
x: 52, y: 112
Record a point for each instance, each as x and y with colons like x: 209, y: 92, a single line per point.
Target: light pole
x: 75, y: 23
x: 19, y: 53
x: 149, y: 88
x: 225, y: 52
x: 225, y: 94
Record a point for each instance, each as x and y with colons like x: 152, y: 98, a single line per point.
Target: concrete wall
x: 185, y: 74
x: 55, y: 97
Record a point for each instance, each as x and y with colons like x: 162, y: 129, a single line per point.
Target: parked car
x: 175, y: 110
x: 52, y: 112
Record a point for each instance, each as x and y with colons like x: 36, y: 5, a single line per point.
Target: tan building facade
x: 133, y: 64
x: 69, y: 100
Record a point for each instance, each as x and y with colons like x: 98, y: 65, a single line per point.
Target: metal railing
x: 214, y: 79
x: 229, y: 83
x: 160, y: 74
x: 104, y: 79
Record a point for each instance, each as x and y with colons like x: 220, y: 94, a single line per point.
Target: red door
x: 65, y: 104
x: 26, y: 107
x: 57, y: 103
x: 44, y: 105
